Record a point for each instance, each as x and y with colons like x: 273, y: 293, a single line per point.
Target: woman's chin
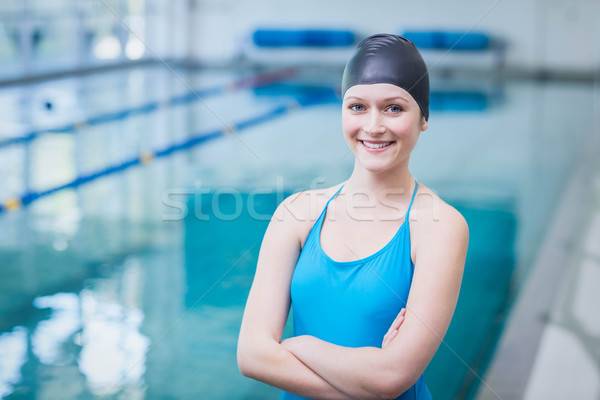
x: 377, y: 167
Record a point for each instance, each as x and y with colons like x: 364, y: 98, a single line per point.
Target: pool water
x: 132, y: 285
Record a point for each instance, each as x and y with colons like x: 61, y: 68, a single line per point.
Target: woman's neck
x: 387, y: 186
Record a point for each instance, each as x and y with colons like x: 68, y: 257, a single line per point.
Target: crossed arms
x: 312, y: 368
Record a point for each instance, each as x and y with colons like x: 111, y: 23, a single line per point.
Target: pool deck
x: 550, y: 348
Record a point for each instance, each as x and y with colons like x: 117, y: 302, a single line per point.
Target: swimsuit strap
x: 332, y: 197
x: 411, y: 201
x: 327, y: 204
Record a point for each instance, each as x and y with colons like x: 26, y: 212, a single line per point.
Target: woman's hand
x: 393, y: 331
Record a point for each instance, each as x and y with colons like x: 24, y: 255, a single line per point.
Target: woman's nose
x: 374, y: 124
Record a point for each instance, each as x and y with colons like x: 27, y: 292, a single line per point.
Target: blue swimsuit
x: 353, y: 303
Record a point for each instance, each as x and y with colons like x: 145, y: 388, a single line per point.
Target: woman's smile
x: 376, y: 146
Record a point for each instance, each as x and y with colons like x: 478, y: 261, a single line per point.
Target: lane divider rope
x: 250, y: 82
x: 147, y: 157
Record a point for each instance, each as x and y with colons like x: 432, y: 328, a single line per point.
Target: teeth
x: 376, y: 145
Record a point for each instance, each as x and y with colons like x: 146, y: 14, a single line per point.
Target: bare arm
x: 260, y: 354
x: 370, y: 372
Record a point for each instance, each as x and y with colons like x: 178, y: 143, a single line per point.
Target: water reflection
x: 50, y: 336
x: 113, y: 351
x: 13, y: 347
x: 90, y: 343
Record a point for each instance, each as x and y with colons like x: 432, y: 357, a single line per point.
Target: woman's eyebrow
x: 394, y: 98
x: 353, y: 98
x: 385, y: 100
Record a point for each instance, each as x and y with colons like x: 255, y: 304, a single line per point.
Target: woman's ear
x: 424, y: 124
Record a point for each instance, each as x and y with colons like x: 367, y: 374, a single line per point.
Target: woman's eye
x: 394, y: 109
x: 357, y: 107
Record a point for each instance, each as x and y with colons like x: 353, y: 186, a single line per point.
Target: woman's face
x: 381, y: 124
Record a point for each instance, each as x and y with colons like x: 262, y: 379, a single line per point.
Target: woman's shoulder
x: 439, y: 233
x: 308, y: 204
x: 302, y: 209
x: 431, y: 212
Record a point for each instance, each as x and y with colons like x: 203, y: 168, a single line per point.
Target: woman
x: 385, y: 254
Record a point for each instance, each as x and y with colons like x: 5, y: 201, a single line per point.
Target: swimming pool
x: 131, y: 283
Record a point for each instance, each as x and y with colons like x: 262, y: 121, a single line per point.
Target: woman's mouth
x: 375, y: 146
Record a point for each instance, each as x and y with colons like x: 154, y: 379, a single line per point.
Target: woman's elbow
x: 392, y: 392
x: 247, y: 360
x: 244, y: 365
x: 393, y: 383
x: 256, y: 358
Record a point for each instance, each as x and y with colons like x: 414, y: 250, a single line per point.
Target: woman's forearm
x: 272, y: 364
x: 359, y: 372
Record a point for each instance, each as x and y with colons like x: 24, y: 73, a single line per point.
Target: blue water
x: 132, y: 285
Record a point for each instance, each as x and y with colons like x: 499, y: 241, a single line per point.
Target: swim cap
x: 386, y: 58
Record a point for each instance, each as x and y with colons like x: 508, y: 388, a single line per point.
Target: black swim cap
x: 386, y: 58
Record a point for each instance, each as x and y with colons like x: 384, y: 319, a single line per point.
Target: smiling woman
x: 373, y: 286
